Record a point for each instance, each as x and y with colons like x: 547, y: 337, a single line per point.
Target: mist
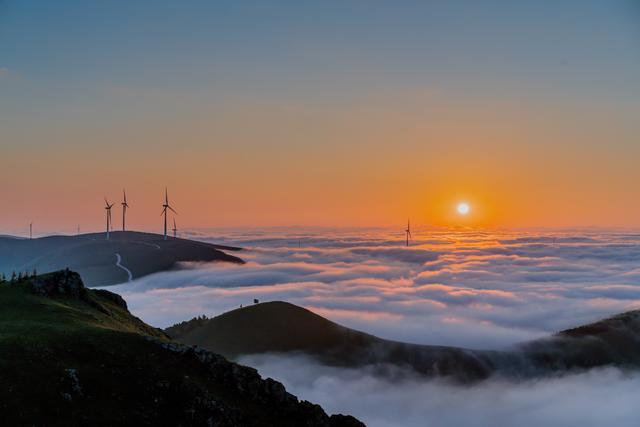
x: 486, y: 290
x: 600, y: 397
x: 463, y: 288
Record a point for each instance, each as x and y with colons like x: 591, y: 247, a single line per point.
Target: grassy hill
x: 270, y: 327
x: 95, y: 258
x: 74, y: 356
x: 284, y: 327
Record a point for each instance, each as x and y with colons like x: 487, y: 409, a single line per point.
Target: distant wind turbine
x: 31, y: 230
x: 175, y: 229
x: 125, y: 205
x: 166, y: 206
x: 408, y: 232
x: 108, y: 209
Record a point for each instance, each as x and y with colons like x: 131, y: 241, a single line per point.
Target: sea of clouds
x: 464, y: 288
x: 598, y: 398
x: 478, y: 289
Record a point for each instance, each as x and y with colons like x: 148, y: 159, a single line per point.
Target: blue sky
x: 314, y: 88
x: 70, y: 49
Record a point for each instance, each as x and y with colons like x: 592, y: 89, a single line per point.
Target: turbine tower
x: 166, y: 206
x: 31, y: 230
x: 108, y: 210
x: 408, y: 232
x: 175, y: 229
x: 125, y: 205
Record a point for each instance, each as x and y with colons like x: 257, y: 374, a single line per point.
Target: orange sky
x: 368, y: 162
x: 328, y: 113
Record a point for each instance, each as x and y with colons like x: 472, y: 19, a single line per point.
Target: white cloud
x: 603, y: 397
x: 469, y: 289
x: 473, y: 289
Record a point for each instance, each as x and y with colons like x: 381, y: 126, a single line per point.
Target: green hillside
x: 75, y: 356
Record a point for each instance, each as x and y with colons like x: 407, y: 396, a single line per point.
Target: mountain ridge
x: 280, y: 327
x: 75, y: 356
x: 126, y: 255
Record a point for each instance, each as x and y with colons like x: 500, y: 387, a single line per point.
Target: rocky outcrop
x: 69, y: 283
x: 253, y: 388
x: 114, y: 298
x: 64, y: 282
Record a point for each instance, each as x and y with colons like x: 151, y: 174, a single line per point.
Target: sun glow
x: 463, y: 208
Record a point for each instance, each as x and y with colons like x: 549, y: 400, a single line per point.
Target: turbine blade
x: 173, y: 210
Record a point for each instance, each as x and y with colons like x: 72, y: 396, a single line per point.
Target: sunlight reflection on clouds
x: 501, y: 288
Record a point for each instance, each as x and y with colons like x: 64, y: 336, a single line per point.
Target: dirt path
x: 119, y: 265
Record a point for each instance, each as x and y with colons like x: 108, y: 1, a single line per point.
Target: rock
x: 115, y: 298
x: 64, y: 282
x: 252, y: 387
x: 339, y: 420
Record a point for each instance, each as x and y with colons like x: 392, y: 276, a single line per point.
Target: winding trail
x: 153, y: 245
x: 119, y: 265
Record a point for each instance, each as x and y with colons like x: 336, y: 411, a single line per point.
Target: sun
x: 463, y: 208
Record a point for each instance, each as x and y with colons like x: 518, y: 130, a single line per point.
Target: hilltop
x: 75, y: 356
x: 282, y: 327
x: 126, y: 255
x: 275, y: 326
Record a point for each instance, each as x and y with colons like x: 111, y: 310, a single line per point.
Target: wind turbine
x: 31, y: 230
x: 408, y: 232
x: 164, y: 211
x: 175, y: 229
x: 108, y: 209
x: 125, y: 205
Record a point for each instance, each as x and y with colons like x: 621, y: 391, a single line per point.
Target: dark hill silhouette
x: 283, y: 327
x: 271, y: 326
x: 614, y: 341
x: 95, y: 258
x: 76, y: 356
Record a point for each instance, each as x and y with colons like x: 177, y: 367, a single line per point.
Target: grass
x: 123, y: 377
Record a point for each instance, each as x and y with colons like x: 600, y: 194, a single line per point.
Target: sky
x: 334, y: 113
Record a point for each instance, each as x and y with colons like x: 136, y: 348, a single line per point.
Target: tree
x: 13, y: 277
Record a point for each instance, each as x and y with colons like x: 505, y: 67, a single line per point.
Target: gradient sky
x: 327, y: 113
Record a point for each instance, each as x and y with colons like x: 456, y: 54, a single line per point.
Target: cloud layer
x: 475, y: 289
x: 597, y: 398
